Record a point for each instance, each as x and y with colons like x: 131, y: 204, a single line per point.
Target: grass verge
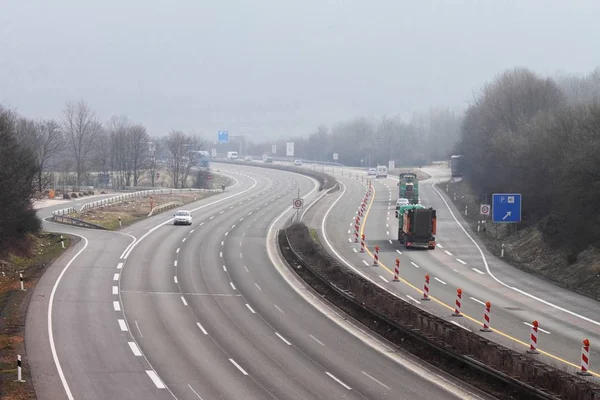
x: 134, y: 209
x: 31, y: 259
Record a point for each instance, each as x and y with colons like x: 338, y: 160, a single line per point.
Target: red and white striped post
x: 486, y: 317
x: 362, y: 243
x: 426, y: 289
x: 533, y: 338
x: 376, y: 256
x: 397, y: 271
x: 585, y: 358
x: 458, y: 303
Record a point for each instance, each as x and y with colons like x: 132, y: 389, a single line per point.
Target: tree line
x: 81, y: 145
x: 539, y: 136
x: 425, y: 137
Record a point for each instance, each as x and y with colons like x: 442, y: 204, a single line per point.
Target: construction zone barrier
x: 458, y: 303
x: 397, y: 271
x: 533, y: 338
x: 426, y: 289
x: 585, y: 358
x: 486, y: 317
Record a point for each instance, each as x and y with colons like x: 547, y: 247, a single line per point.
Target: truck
x: 409, y: 187
x: 417, y: 226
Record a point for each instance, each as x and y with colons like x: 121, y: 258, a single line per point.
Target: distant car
x: 183, y: 217
x: 269, y: 160
x: 382, y: 171
x: 372, y: 172
x: 298, y: 163
x: 248, y: 158
x: 402, y: 202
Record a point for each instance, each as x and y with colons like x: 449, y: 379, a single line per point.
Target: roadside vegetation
x: 540, y: 137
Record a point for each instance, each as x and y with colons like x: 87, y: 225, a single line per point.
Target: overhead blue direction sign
x: 506, y: 207
x: 223, y: 136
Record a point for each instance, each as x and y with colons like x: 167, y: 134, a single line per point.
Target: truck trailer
x: 417, y: 226
x: 409, y: 187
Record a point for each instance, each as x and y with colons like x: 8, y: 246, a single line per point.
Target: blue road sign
x: 506, y: 207
x: 223, y: 136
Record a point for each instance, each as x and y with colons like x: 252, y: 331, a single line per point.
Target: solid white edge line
x: 159, y: 384
x: 283, y: 339
x: 329, y: 374
x: 135, y: 349
x: 487, y: 267
x: 238, y: 366
x: 201, y: 328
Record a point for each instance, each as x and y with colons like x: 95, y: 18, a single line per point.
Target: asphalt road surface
x: 207, y: 311
x: 460, y: 261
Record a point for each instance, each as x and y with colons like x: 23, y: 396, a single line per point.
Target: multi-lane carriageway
x: 460, y: 261
x: 207, y: 312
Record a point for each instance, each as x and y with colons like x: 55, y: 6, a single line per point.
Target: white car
x: 372, y: 172
x: 248, y: 158
x: 402, y: 202
x: 183, y: 217
x: 298, y: 163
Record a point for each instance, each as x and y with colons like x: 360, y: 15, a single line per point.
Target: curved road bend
x: 457, y: 262
x: 219, y: 323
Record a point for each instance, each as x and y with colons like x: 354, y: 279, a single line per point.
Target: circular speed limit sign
x: 298, y: 203
x: 484, y: 209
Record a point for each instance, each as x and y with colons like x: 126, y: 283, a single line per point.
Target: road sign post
x: 274, y: 148
x: 506, y: 208
x: 289, y: 149
x: 335, y: 156
x: 391, y: 164
x: 484, y: 209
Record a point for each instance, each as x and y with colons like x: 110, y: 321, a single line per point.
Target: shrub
x: 73, y: 195
x: 66, y: 196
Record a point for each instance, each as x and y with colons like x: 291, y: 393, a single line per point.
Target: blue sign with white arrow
x: 223, y: 136
x: 506, y: 207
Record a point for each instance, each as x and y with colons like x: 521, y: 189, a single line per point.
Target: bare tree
x: 176, y: 149
x: 81, y: 128
x: 120, y: 149
x: 139, y: 144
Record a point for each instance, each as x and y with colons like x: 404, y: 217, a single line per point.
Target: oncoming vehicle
x: 298, y: 163
x: 248, y: 158
x: 269, y: 160
x: 232, y: 155
x: 183, y: 217
x: 381, y: 171
x: 372, y: 172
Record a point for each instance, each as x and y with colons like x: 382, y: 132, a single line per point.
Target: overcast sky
x: 277, y: 67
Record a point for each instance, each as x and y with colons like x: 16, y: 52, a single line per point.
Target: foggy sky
x: 277, y: 68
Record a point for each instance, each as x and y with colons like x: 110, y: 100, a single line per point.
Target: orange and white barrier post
x: 426, y: 289
x: 362, y: 243
x: 458, y: 303
x: 397, y: 271
x: 376, y: 256
x: 585, y: 358
x: 486, y: 317
x: 533, y: 338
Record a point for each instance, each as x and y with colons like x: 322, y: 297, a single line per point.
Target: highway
x: 460, y: 261
x: 208, y: 311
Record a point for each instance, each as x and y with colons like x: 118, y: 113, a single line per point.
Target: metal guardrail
x: 165, y: 206
x: 470, y: 362
x: 127, y: 196
x: 76, y: 222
